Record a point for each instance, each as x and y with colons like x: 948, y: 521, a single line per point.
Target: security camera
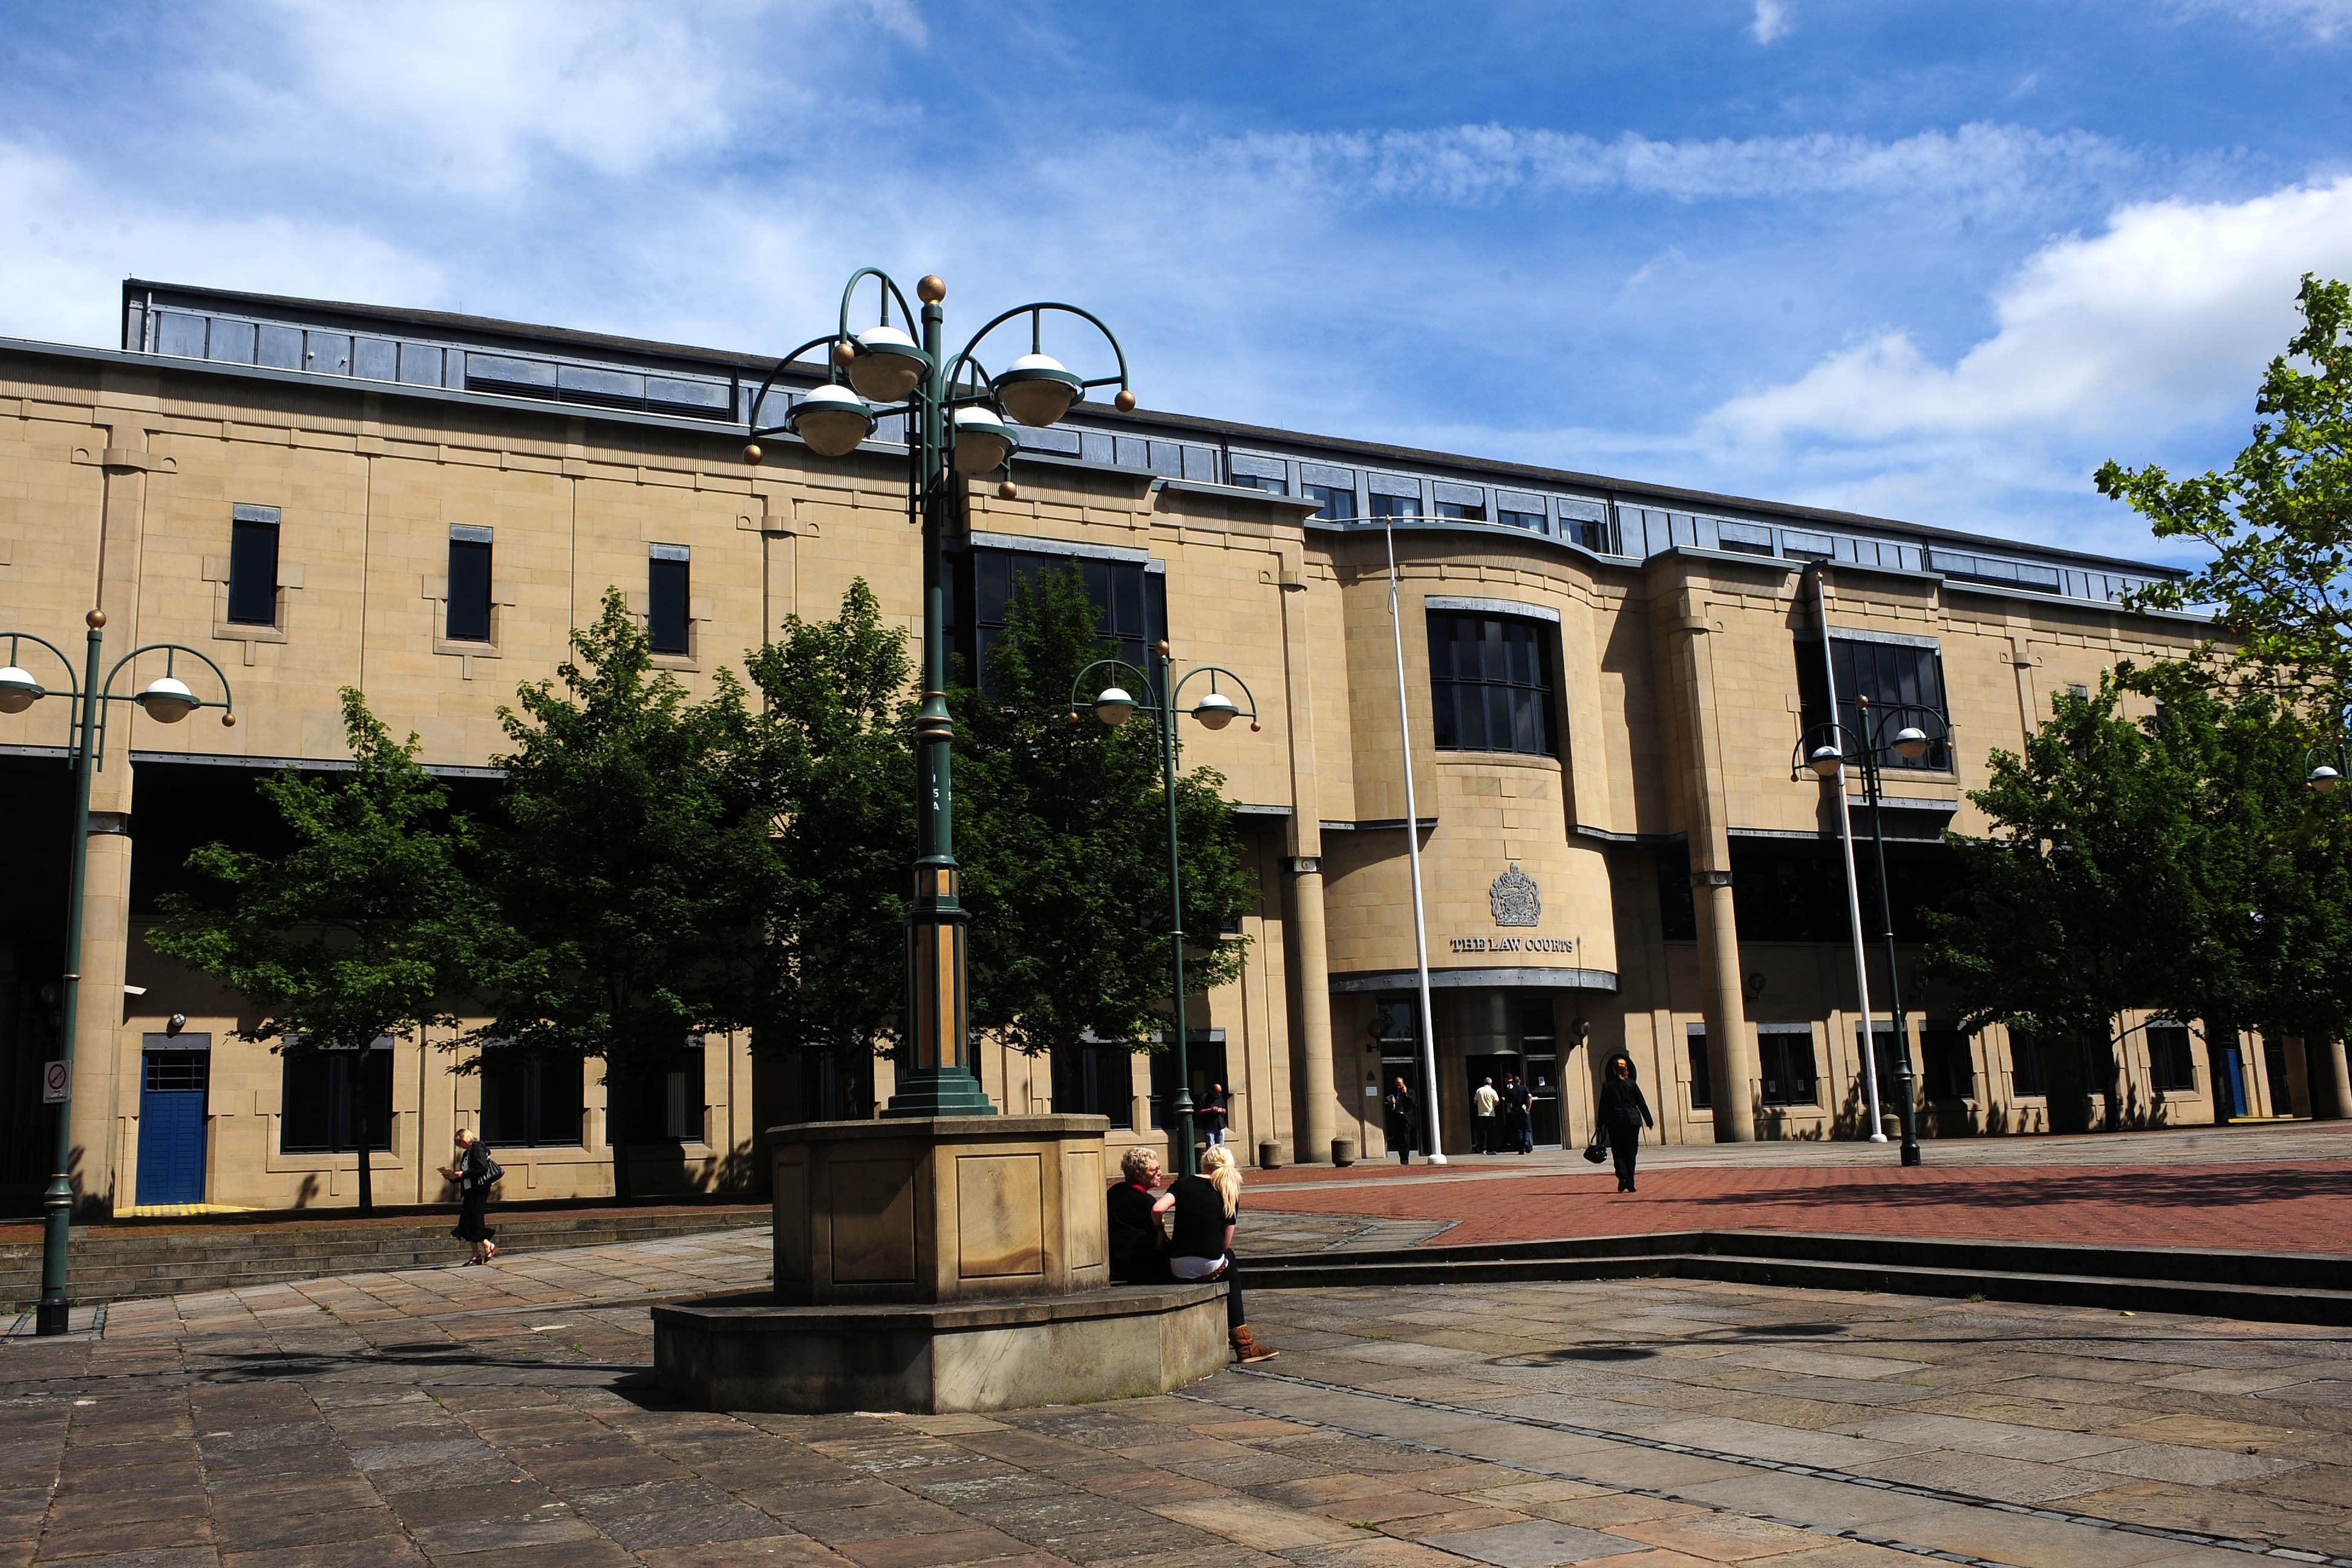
x: 175, y: 1023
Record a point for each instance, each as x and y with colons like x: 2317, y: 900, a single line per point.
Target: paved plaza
x: 504, y: 1417
x: 2265, y: 1187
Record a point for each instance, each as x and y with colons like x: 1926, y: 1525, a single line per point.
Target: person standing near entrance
x: 1623, y: 1113
x: 1518, y: 1126
x: 1483, y: 1105
x: 1212, y: 1115
x: 1403, y: 1122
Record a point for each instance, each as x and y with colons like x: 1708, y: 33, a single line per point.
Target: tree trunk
x: 360, y: 1099
x: 616, y: 1134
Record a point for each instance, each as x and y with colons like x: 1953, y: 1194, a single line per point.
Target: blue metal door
x: 172, y: 1128
x: 2229, y: 1076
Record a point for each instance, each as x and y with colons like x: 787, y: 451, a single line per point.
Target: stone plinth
x: 976, y: 1355
x: 915, y: 1211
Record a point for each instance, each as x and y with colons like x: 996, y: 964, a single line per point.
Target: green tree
x: 368, y: 926
x: 1062, y: 829
x: 619, y: 864
x: 824, y: 761
x: 2079, y: 905
x: 2174, y: 863
x: 2279, y: 524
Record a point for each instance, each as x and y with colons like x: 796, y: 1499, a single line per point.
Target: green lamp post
x: 963, y: 427
x: 1164, y: 698
x: 167, y: 700
x: 1909, y: 732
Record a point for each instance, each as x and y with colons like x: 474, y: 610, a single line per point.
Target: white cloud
x: 2160, y: 323
x: 1475, y: 163
x: 1771, y: 21
x: 2322, y: 19
x: 60, y: 274
x: 460, y: 95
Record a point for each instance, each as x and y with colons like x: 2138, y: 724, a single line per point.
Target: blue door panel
x: 171, y: 1129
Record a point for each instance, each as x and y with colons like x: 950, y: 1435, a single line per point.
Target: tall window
x: 1130, y: 599
x: 2170, y: 1065
x: 667, y: 586
x: 531, y: 1101
x: 665, y: 1105
x: 315, y: 1111
x: 1785, y: 1057
x: 1093, y: 1080
x: 1339, y: 502
x: 2024, y: 1061
x: 1887, y: 673
x: 1701, y: 1076
x: 470, y: 585
x: 1490, y: 683
x: 253, y: 566
x: 1951, y: 1067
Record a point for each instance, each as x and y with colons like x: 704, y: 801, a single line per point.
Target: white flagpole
x: 1853, y: 888
x: 1413, y: 848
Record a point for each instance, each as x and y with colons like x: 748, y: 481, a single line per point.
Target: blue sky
x: 1926, y: 259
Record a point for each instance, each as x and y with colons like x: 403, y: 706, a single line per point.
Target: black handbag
x: 1596, y: 1148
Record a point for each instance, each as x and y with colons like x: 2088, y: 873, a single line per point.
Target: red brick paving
x: 2302, y: 1205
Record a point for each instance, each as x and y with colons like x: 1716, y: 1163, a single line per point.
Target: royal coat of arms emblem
x: 1515, y: 899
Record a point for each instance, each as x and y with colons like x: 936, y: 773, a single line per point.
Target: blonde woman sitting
x: 1201, y: 1243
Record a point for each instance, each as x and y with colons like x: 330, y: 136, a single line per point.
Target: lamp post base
x: 1911, y: 1154
x: 50, y: 1318
x: 939, y: 1092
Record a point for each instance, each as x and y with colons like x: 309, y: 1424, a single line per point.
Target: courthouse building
x: 1605, y: 681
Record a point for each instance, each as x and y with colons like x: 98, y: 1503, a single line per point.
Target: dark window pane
x: 305, y: 1123
x: 470, y: 591
x: 666, y: 595
x: 2024, y: 1062
x: 556, y: 1100
x: 1490, y: 683
x: 1702, y: 1084
x: 253, y: 573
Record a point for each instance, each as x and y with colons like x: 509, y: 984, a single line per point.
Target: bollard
x: 1343, y: 1150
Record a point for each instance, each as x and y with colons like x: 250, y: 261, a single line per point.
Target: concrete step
x: 118, y: 1261
x: 2263, y: 1287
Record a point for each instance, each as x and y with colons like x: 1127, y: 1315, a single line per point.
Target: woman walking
x: 1623, y: 1115
x: 1201, y: 1243
x: 476, y: 1173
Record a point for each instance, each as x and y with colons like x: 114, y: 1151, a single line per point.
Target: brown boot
x: 1247, y: 1348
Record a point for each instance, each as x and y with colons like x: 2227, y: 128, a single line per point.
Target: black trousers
x: 1624, y: 1145
x: 1234, y: 1316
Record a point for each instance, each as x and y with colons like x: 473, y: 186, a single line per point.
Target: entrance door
x: 2228, y: 1081
x: 172, y: 1128
x: 2275, y: 1075
x: 1499, y: 1067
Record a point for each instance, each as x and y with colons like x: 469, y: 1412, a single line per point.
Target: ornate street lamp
x: 167, y: 700
x: 2324, y: 767
x: 1908, y: 731
x: 961, y: 428
x: 1213, y: 709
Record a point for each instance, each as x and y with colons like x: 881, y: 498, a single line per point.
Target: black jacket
x: 1404, y: 1113
x: 1622, y: 1108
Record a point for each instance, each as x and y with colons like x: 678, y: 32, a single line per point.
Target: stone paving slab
x: 505, y: 1416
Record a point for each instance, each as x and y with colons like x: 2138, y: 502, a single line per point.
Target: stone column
x: 1316, y: 1106
x: 1731, y: 1054
x: 105, y: 1067
x: 2335, y: 1078
x: 1310, y: 972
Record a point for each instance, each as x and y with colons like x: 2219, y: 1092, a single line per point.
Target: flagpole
x: 1412, y: 849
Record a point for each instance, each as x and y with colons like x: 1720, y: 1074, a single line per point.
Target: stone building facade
x: 1605, y: 683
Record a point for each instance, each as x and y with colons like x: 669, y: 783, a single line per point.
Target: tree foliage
x: 369, y: 926
x: 619, y: 861
x: 2174, y: 862
x: 1062, y: 829
x: 825, y: 761
x: 2279, y: 522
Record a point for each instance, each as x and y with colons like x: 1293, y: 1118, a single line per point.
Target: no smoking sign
x: 56, y: 1083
